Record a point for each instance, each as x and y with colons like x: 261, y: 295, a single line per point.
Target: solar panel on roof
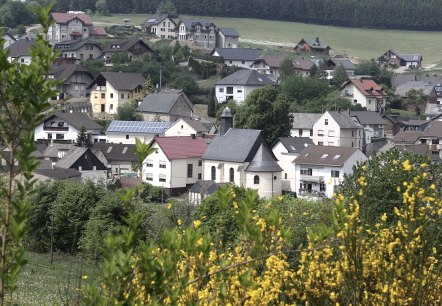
x: 152, y: 20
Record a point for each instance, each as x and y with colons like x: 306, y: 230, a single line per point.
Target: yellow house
x: 111, y: 89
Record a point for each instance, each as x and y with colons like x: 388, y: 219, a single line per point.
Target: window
x: 200, y: 163
x: 326, y: 122
x: 162, y: 164
x: 300, y: 132
x: 81, y: 55
x: 149, y: 163
x: 213, y: 173
x: 59, y: 136
x: 127, y: 136
x: 320, y: 133
x: 320, y: 143
x: 239, y: 91
x: 162, y: 178
x: 111, y: 107
x: 230, y: 62
x: 352, y: 133
x: 122, y: 96
x: 91, y: 56
x: 321, y: 187
x: 334, y: 173
x: 189, y: 170
x: 221, y: 89
x: 111, y: 95
x: 324, y: 156
x: 49, y: 135
x: 306, y: 171
x: 91, y: 48
x: 256, y: 180
x: 199, y: 176
x: 231, y: 175
x: 149, y: 176
x: 331, y: 133
x: 311, y: 133
x: 285, y: 175
x: 102, y: 95
x: 243, y: 62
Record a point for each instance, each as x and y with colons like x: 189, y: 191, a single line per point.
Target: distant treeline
x: 392, y: 14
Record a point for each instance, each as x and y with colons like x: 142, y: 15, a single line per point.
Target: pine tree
x: 83, y: 139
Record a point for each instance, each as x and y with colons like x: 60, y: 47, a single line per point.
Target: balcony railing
x: 311, y: 193
x: 56, y: 128
x: 311, y: 178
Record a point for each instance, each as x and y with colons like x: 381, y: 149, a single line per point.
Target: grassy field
x: 44, y: 284
x: 357, y: 43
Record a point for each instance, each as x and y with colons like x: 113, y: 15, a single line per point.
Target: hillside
x: 357, y: 43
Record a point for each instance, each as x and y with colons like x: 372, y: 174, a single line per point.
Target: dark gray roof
x: 407, y: 137
x: 70, y: 157
x: 229, y: 32
x: 123, y: 45
x: 402, y: 89
x: 431, y: 79
x: 367, y: 117
x: 59, y: 174
x: 264, y: 161
x: 64, y: 71
x: 77, y: 107
x: 433, y: 129
x: 316, y: 43
x: 154, y: 20
x: 162, y: 102
x: 121, y: 80
x: 77, y: 120
x: 344, y: 120
x: 53, y: 149
x: 143, y: 127
x: 197, y: 125
x: 237, y: 145
x: 346, y: 63
x: 295, y: 144
x: 21, y: 47
x: 246, y: 77
x: 205, y: 187
x: 190, y: 23
x: 304, y: 120
x: 401, y: 78
x: 72, y: 45
x: 239, y: 54
x: 117, y: 151
x: 324, y: 155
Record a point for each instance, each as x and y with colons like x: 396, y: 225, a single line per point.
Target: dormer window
x: 326, y: 121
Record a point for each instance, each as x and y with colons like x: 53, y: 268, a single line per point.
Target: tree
x: 300, y: 90
x: 286, y: 69
x: 416, y: 97
x: 24, y: 96
x: 119, y: 58
x: 142, y: 150
x: 83, y: 139
x: 148, y: 86
x: 188, y: 84
x: 128, y: 112
x: 264, y: 109
x: 368, y: 67
x: 166, y: 7
x: 211, y: 107
x: 101, y: 6
x: 339, y: 75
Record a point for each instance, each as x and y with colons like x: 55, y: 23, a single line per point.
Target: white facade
x: 8, y: 40
x: 285, y: 161
x: 327, y: 132
x: 237, y: 93
x: 106, y: 99
x: 180, y: 128
x: 74, y: 29
x: 301, y: 133
x: 22, y: 60
x: 315, y: 181
x: 159, y: 171
x: 357, y: 97
x: 268, y: 184
x: 58, y: 129
x: 165, y: 29
x: 128, y: 138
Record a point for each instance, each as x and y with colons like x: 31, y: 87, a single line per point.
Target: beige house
x: 227, y: 38
x: 78, y: 49
x: 163, y: 26
x: 69, y: 26
x: 111, y: 89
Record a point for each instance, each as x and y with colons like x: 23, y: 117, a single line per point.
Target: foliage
x: 286, y: 69
x: 83, y: 139
x: 187, y: 84
x: 300, y: 90
x: 24, y: 94
x: 368, y: 67
x: 119, y: 58
x: 166, y: 7
x: 332, y: 101
x: 211, y: 107
x: 142, y: 150
x: 15, y: 13
x: 264, y: 109
x: 339, y: 75
x: 415, y: 97
x: 128, y: 111
x: 149, y: 193
x: 148, y: 86
x: 101, y: 6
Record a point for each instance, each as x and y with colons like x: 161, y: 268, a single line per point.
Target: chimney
x: 317, y: 40
x: 226, y: 121
x: 193, y: 136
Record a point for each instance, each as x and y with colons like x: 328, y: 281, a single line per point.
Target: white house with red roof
x: 69, y: 26
x: 176, y: 165
x: 366, y: 93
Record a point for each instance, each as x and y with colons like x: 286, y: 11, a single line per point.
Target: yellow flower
x: 363, y: 168
x: 169, y: 206
x: 197, y: 223
x: 179, y: 222
x: 433, y: 186
x: 84, y: 277
x: 407, y: 166
x: 280, y: 198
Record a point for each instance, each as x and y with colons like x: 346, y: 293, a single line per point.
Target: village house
x: 313, y: 46
x: 44, y: 175
x: 111, y: 89
x: 403, y: 89
x: 242, y: 157
x: 176, y: 165
x: 83, y: 160
x: 69, y: 26
x: 392, y: 125
x: 120, y: 158
x: 74, y: 80
x: 227, y: 38
x: 189, y: 127
x: 134, y: 48
x: 161, y: 25
x: 65, y: 127
x: 303, y: 66
x: 125, y: 132
x: 166, y: 105
x: 393, y: 58
x: 286, y: 149
x: 331, y: 64
x: 372, y: 122
x: 201, y: 33
x: 20, y: 51
x: 8, y: 40
x: 268, y: 65
x: 239, y: 85
x: 320, y: 170
x: 78, y: 49
x: 201, y: 189
x: 434, y: 105
x: 239, y: 57
x: 303, y: 123
x: 366, y: 93
x: 337, y: 128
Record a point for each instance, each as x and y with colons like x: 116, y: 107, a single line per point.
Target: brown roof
x: 433, y: 129
x: 97, y: 31
x: 303, y: 64
x: 271, y: 60
x: 21, y: 47
x: 64, y: 71
x: 124, y: 45
x: 326, y: 156
x: 181, y: 147
x: 66, y: 17
x: 196, y: 125
x: 407, y: 137
x: 367, y: 87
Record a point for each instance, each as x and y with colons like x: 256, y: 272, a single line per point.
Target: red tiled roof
x: 272, y: 60
x: 367, y: 87
x: 97, y: 31
x: 66, y: 17
x: 181, y: 147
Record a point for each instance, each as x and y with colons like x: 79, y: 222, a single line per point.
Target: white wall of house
x: 239, y: 92
x: 285, y: 161
x: 71, y: 133
x: 269, y: 183
x: 165, y: 29
x: 357, y: 97
x: 22, y: 60
x: 96, y: 176
x: 180, y: 128
x: 128, y: 138
x: 301, y: 133
x: 238, y: 63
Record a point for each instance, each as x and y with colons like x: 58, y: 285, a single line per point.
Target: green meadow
x: 356, y: 43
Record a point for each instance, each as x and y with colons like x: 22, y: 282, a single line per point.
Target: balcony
x: 311, y: 178
x: 305, y: 193
x: 56, y: 128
